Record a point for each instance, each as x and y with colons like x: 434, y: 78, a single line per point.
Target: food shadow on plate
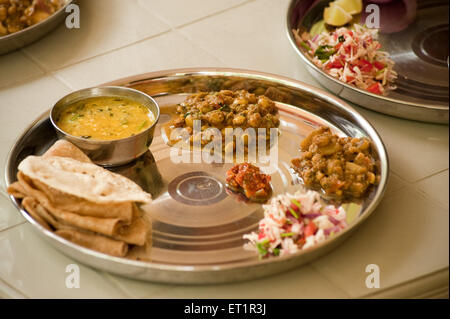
x: 144, y: 172
x: 238, y: 196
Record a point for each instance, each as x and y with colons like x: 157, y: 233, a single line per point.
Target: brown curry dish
x: 16, y: 15
x: 225, y: 109
x: 340, y: 166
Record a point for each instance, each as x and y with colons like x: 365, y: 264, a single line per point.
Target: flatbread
x: 16, y: 190
x: 71, y: 203
x: 133, y: 232
x: 35, y: 210
x: 99, y: 243
x: 64, y: 148
x: 85, y: 180
x: 105, y: 226
x: 84, y: 203
x: 138, y: 231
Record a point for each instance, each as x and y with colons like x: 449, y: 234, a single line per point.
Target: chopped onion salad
x: 293, y: 222
x: 352, y: 56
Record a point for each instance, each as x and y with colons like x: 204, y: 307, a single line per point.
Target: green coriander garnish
x: 296, y: 203
x: 324, y: 52
x: 261, y: 249
x: 287, y: 234
x: 293, y: 212
x: 225, y: 108
x: 75, y: 117
x: 304, y: 45
x: 276, y: 251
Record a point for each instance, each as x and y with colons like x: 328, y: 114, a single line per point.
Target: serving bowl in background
x: 422, y: 67
x: 33, y: 33
x: 109, y: 152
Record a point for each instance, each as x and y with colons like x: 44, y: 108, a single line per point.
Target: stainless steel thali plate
x: 420, y: 53
x: 27, y: 36
x: 197, y: 226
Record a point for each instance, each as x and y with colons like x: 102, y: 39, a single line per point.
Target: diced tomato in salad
x: 349, y: 49
x: 310, y: 229
x: 352, y: 56
x: 375, y: 88
x: 364, y: 65
x: 315, y: 223
x: 379, y: 65
x: 336, y: 64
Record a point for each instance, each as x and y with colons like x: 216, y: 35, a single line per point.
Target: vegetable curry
x: 340, y: 166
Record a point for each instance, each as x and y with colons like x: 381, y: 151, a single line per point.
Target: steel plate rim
x: 384, y: 160
x: 343, y: 84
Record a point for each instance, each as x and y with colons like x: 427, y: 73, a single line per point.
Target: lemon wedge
x: 350, y: 6
x: 317, y: 28
x: 336, y: 16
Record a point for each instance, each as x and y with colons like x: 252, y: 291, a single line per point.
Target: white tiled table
x: 407, y: 236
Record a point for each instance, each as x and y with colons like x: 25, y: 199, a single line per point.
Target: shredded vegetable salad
x: 352, y: 56
x: 293, y: 222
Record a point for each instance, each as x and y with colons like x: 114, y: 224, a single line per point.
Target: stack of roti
x: 84, y: 203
